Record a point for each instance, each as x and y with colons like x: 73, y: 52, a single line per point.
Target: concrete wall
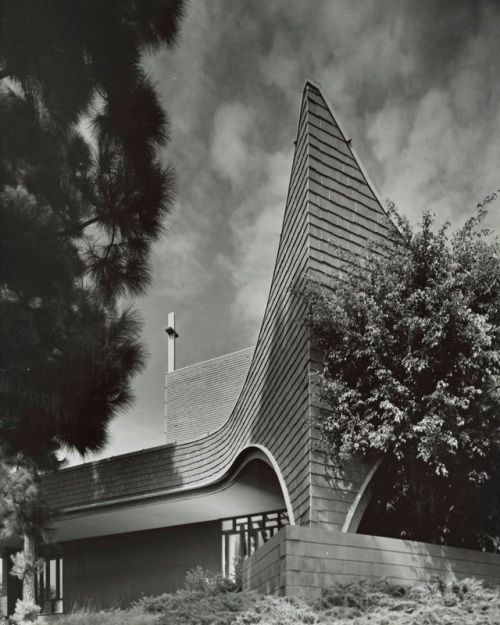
x: 302, y: 561
x: 112, y: 571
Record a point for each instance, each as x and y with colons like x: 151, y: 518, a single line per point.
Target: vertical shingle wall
x: 283, y: 427
x: 344, y: 217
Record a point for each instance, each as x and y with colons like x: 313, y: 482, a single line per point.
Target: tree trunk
x: 29, y: 574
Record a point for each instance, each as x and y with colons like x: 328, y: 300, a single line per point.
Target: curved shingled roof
x: 330, y: 207
x: 200, y: 398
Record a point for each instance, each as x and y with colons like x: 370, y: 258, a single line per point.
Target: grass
x: 466, y: 602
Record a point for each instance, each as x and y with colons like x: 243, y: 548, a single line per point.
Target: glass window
x: 53, y: 579
x: 241, y: 536
x: 49, y: 586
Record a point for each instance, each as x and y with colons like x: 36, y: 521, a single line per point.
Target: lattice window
x: 241, y: 536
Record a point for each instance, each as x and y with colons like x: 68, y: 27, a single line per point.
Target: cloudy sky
x: 415, y: 83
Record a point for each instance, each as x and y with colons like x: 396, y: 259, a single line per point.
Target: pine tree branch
x: 111, y: 243
x: 78, y: 228
x: 4, y: 73
x: 57, y: 233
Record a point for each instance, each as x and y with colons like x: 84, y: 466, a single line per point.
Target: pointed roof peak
x: 312, y: 83
x: 315, y: 87
x: 319, y: 91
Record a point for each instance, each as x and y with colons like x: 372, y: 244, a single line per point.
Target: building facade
x: 240, y: 475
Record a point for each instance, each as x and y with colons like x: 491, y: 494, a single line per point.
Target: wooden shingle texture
x: 200, y: 398
x: 330, y: 207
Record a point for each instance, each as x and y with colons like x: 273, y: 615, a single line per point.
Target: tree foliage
x: 410, y: 338
x: 78, y: 213
x: 21, y: 509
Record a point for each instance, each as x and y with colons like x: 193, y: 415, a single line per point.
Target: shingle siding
x: 200, y: 398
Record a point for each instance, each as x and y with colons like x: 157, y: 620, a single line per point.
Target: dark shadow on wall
x: 137, y: 563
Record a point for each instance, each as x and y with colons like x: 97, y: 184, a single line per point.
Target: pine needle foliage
x: 78, y: 213
x: 410, y: 342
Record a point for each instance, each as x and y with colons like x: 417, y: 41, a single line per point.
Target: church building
x: 240, y: 476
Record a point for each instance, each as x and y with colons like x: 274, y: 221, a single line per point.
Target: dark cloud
x: 415, y: 83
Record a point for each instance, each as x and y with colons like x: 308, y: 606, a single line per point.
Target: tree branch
x: 112, y: 242
x: 57, y: 233
x: 79, y: 227
x: 4, y: 73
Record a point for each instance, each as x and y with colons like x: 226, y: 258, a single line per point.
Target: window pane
x: 233, y: 553
x: 42, y: 584
x: 53, y: 579
x: 241, y: 536
x: 61, y: 579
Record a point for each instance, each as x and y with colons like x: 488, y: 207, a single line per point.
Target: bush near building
x: 409, y: 338
x: 466, y: 602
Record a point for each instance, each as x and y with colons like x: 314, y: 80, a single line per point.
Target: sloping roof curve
x: 200, y: 398
x: 330, y: 207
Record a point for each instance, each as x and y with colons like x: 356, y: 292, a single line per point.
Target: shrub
x: 199, y: 579
x: 88, y: 616
x: 271, y: 610
x: 198, y: 607
x: 206, y: 599
x: 26, y: 612
x: 381, y: 602
x: 466, y: 602
x: 199, y: 585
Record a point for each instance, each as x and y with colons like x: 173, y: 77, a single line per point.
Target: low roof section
x: 110, y: 496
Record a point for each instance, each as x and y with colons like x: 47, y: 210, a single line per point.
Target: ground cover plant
x: 365, y: 602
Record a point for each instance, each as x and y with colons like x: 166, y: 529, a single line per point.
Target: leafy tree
x: 23, y: 514
x: 410, y: 337
x: 78, y: 218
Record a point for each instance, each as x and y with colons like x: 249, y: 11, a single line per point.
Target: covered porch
x: 111, y: 553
